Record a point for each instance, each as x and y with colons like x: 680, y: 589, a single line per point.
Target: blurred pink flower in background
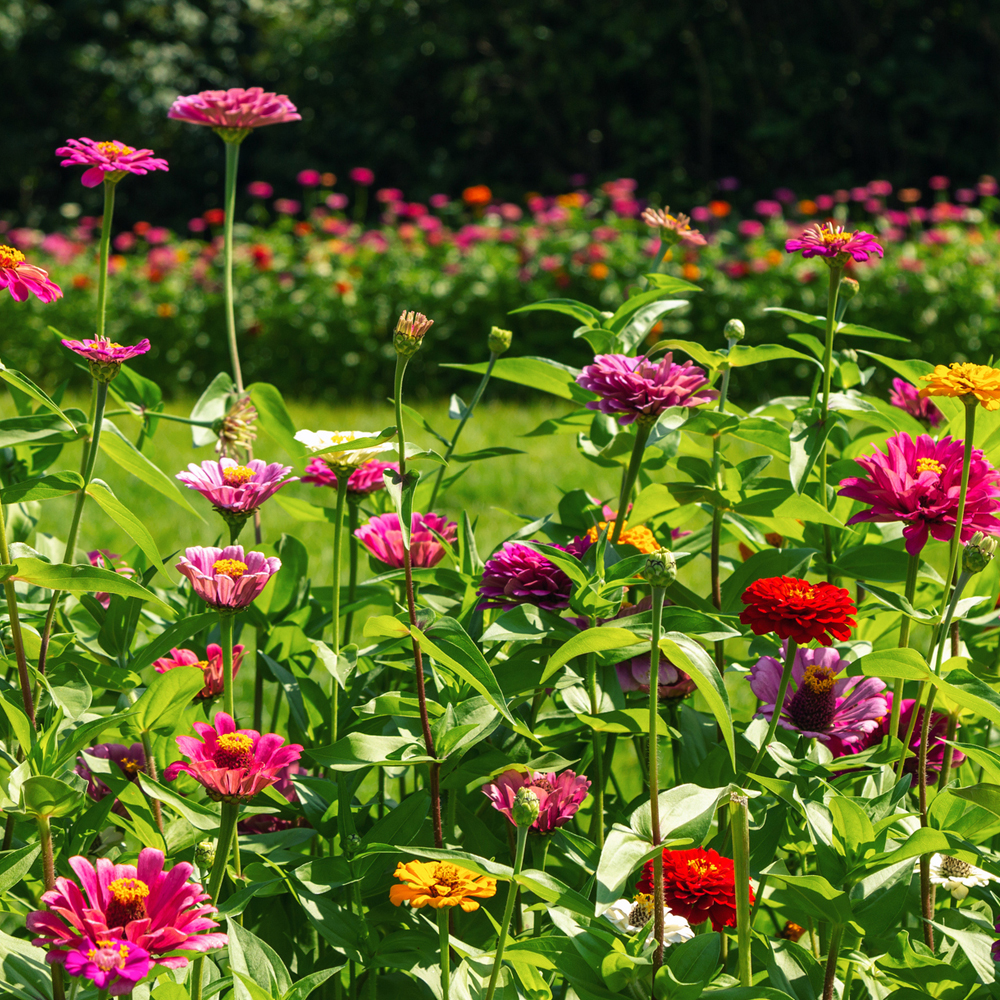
x: 336, y: 201
x: 287, y: 206
x: 362, y: 175
x: 259, y: 189
x: 309, y: 178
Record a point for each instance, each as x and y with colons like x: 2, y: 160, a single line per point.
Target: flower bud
x: 849, y: 287
x: 525, y: 809
x: 204, y: 854
x: 410, y: 332
x: 499, y: 340
x: 735, y: 330
x: 352, y: 844
x: 660, y: 569
x: 978, y: 554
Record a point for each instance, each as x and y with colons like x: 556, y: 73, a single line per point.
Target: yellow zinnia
x: 639, y: 537
x: 440, y: 883
x: 961, y: 380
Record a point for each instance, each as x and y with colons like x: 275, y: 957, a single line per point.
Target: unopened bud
x: 410, y: 332
x: 849, y: 287
x: 525, y: 809
x: 352, y: 844
x: 660, y: 569
x: 978, y: 554
x: 499, y: 340
x: 735, y: 330
x: 204, y: 854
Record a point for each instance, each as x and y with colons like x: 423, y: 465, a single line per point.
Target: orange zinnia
x: 960, y: 380
x: 478, y: 194
x: 440, y: 883
x: 639, y: 537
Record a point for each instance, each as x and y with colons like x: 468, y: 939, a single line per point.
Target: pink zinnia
x: 383, y: 539
x: 211, y: 666
x: 227, y: 578
x: 104, y: 351
x: 907, y: 398
x: 816, y: 703
x: 363, y: 481
x: 234, y: 765
x: 22, y: 279
x: 107, y: 160
x: 235, y: 488
x: 518, y: 574
x: 259, y: 189
x: 918, y: 482
x: 234, y: 108
x: 103, y: 559
x: 159, y: 911
x: 362, y: 175
x: 640, y: 389
x: 559, y: 795
x: 112, y: 964
x: 830, y: 240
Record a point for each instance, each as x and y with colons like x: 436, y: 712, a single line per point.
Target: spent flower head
x: 236, y: 429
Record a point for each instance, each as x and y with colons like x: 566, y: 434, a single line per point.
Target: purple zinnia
x: 816, y: 702
x: 907, y: 398
x: 131, y: 760
x: 559, y: 795
x: 831, y: 241
x: 633, y: 674
x: 640, y: 389
x: 518, y: 574
x: 918, y: 482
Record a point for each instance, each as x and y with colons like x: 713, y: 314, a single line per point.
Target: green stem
x: 461, y: 424
x: 15, y: 627
x: 949, y: 750
x: 831, y: 961
x: 443, y: 915
x: 102, y: 274
x: 786, y: 676
x: 258, y: 682
x: 232, y: 161
x: 227, y: 623
x: 665, y: 245
x: 831, y: 321
x: 49, y: 881
x: 740, y: 823
x: 522, y: 838
x: 641, y: 436
x: 654, y: 774
x: 597, y: 788
x: 338, y: 537
x: 352, y: 584
x: 970, y: 433
x: 912, y: 565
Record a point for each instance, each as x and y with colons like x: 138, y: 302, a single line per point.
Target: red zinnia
x: 799, y: 610
x: 697, y: 885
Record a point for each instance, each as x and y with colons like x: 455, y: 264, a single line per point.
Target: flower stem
x: 833, y: 292
x: 740, y: 823
x: 443, y: 915
x: 831, y: 961
x: 461, y: 424
x: 641, y: 436
x: 338, y: 537
x: 102, y: 274
x: 434, y: 769
x: 522, y: 839
x: 227, y: 623
x: 15, y: 627
x: 786, y: 676
x: 597, y: 823
x: 352, y: 583
x: 232, y: 161
x: 654, y: 774
x: 912, y: 565
x: 956, y: 538
x: 949, y: 750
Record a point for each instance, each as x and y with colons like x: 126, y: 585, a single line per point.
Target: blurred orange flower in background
x: 478, y: 194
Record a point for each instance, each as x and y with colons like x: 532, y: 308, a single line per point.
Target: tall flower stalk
x: 740, y: 822
x: 786, y: 676
x: 338, y: 536
x: 909, y: 590
x: 17, y: 638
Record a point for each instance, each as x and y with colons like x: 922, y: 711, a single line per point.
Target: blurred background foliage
x: 520, y: 94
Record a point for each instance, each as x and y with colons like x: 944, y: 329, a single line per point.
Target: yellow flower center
x: 802, y: 592
x: 128, y: 901
x: 237, y: 475
x: 447, y: 877
x: 107, y: 957
x: 929, y: 465
x: 642, y: 910
x: 130, y: 766
x: 9, y: 257
x: 232, y: 568
x: 233, y: 750
x: 128, y: 890
x: 818, y: 679
x: 702, y: 867
x: 112, y: 150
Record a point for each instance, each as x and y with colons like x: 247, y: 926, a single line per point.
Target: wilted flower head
x: 236, y: 111
x: 410, y: 331
x: 348, y: 459
x: 630, y: 916
x: 836, y: 246
x: 640, y: 389
x: 440, y: 884
x: 22, y: 279
x: 907, y: 397
x: 517, y: 574
x: 211, y: 666
x: 363, y: 481
x: 673, y: 228
x: 236, y: 430
x: 104, y: 356
x: 107, y: 161
x: 970, y: 383
x: 111, y: 964
x: 227, y: 579
x: 559, y: 795
x: 382, y: 537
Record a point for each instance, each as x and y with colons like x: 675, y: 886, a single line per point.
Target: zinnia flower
x: 698, y: 885
x: 956, y: 379
x: 233, y: 765
x: 630, y: 917
x: 110, y: 963
x: 440, y: 883
x: 673, y: 228
x: 227, y: 578
x: 235, y: 108
x: 22, y: 279
x: 831, y: 241
x: 363, y: 481
x: 105, y: 357
x: 639, y: 389
x: 107, y: 160
x: 518, y: 574
x: 798, y: 610
x: 382, y: 537
x: 907, y: 398
x: 919, y: 482
x: 633, y: 674
x: 639, y: 537
x: 236, y: 489
x: 130, y: 760
x: 958, y: 877
x: 816, y: 702
x: 559, y: 795
x: 350, y: 459
x: 211, y: 666
x: 161, y: 912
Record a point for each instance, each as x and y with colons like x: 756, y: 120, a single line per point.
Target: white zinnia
x: 630, y: 917
x: 957, y: 876
x: 318, y: 441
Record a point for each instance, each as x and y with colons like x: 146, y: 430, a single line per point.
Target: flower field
x: 693, y: 694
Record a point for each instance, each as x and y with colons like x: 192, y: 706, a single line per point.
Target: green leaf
x: 525, y: 622
x: 165, y: 700
x: 14, y: 865
x: 57, y: 484
x: 45, y: 796
x: 848, y: 329
x: 125, y: 520
x: 807, y: 438
x: 579, y: 311
x: 273, y: 417
x: 591, y: 640
x: 401, y: 489
x: 742, y: 356
x: 302, y: 510
x: 906, y: 664
x: 668, y: 283
x: 359, y: 750
x: 25, y: 385
x: 812, y: 894
x: 171, y: 637
x: 212, y: 405
x: 708, y: 359
x: 784, y: 502
x: 478, y: 456
x: 536, y: 373
x: 199, y: 816
x: 308, y: 984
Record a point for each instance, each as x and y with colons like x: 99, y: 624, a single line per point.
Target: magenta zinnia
x: 111, y: 964
x: 22, y: 279
x: 104, y: 351
x: 559, y: 795
x: 107, y: 160
x: 831, y: 241
x: 160, y: 911
x: 817, y: 703
x: 233, y: 765
x: 234, y: 108
x: 640, y: 389
x: 363, y: 481
x: 907, y: 398
x: 518, y: 574
x: 233, y: 488
x: 211, y: 666
x: 918, y: 483
x: 228, y: 578
x: 382, y: 537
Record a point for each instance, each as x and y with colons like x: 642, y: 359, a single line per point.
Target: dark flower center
x: 642, y: 910
x: 128, y: 901
x: 954, y: 867
x: 542, y: 783
x: 813, y: 705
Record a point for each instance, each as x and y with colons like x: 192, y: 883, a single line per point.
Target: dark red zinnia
x: 799, y: 610
x: 698, y: 885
